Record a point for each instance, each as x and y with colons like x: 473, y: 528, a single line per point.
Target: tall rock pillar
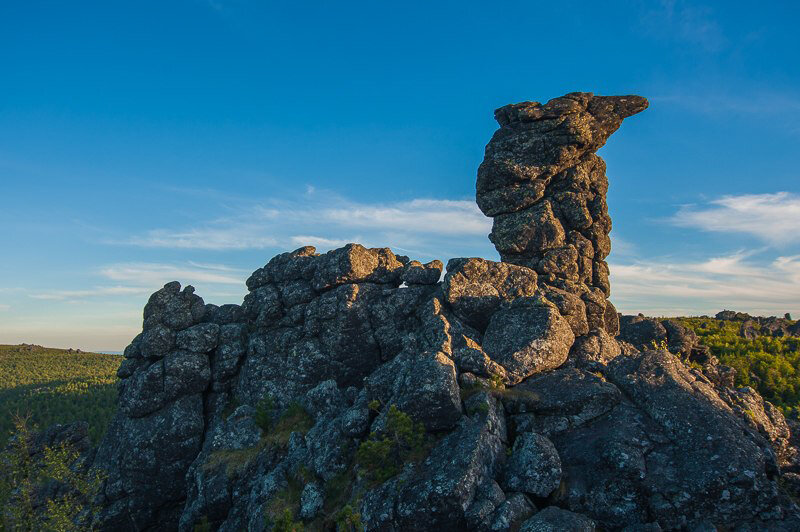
x: 545, y: 188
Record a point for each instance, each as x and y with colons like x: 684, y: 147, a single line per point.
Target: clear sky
x: 142, y: 142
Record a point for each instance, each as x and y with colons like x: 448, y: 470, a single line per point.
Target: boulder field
x: 359, y: 389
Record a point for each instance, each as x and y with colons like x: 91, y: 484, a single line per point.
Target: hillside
x: 57, y: 386
x: 769, y: 364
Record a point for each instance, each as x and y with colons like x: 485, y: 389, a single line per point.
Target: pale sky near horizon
x: 193, y: 140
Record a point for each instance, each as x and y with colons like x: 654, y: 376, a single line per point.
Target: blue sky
x: 148, y: 141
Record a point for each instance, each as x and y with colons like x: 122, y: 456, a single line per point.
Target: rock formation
x: 545, y: 188
x: 497, y: 399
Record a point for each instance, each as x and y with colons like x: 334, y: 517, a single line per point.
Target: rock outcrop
x: 352, y: 388
x: 754, y: 326
x: 545, y: 188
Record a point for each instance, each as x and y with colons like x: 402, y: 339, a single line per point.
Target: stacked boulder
x: 495, y: 399
x: 545, y: 188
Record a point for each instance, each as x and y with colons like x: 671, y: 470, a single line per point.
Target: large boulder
x: 528, y: 339
x: 534, y: 466
x: 559, y: 400
x: 475, y: 288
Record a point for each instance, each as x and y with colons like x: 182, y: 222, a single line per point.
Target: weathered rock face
x: 519, y: 409
x: 546, y: 190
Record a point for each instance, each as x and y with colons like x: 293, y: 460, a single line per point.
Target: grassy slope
x: 56, y: 386
x: 770, y: 365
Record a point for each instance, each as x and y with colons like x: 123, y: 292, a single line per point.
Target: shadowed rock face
x: 546, y: 190
x: 536, y: 417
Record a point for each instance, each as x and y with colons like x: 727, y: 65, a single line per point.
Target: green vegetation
x: 285, y: 505
x: 264, y: 412
x: 348, y: 520
x: 233, y: 460
x: 294, y: 419
x: 337, y: 513
x: 57, y: 386
x: 496, y: 387
x: 286, y: 523
x: 203, y: 526
x: 69, y: 508
x: 769, y: 365
x: 276, y: 434
x: 382, y: 457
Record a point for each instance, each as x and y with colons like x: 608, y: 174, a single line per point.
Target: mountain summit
x: 355, y: 390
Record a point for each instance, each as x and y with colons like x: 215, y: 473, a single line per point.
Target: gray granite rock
x: 534, y: 466
x: 228, y: 414
x: 528, y: 340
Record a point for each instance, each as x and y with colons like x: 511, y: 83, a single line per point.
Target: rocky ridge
x: 528, y: 411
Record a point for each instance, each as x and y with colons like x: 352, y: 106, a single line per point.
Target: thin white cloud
x: 215, y: 266
x: 99, y: 291
x: 706, y: 286
x: 5, y: 308
x: 326, y: 220
x: 758, y: 101
x: 246, y: 236
x: 156, y: 274
x: 322, y: 242
x: 439, y: 217
x: 773, y: 218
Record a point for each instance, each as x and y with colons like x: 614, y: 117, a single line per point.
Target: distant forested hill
x: 56, y: 386
x: 768, y: 361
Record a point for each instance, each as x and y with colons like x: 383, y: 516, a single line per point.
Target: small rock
x: 554, y: 519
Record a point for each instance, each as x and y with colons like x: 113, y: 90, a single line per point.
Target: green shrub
x: 264, y: 412
x: 294, y: 419
x: 203, y: 525
x: 286, y: 523
x: 382, y: 457
x: 285, y: 504
x: 497, y: 382
x: 233, y: 460
x: 70, y: 508
x: 480, y: 408
x: 659, y: 346
x: 347, y: 520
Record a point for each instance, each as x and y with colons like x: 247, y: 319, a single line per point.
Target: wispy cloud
x: 327, y: 220
x: 731, y: 281
x: 245, y: 236
x: 99, y: 291
x: 773, y: 218
x: 322, y: 242
x: 142, y: 278
x: 692, y: 24
x: 155, y: 274
x: 5, y: 308
x: 755, y: 101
